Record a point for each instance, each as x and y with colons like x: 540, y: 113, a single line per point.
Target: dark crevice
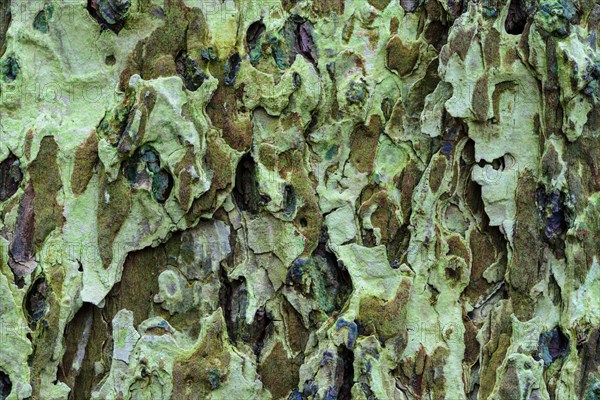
x: 110, y: 14
x: 162, y: 184
x: 110, y: 60
x: 347, y: 358
x: 10, y: 177
x: 35, y: 302
x: 552, y: 345
x: 305, y: 45
x: 289, y: 200
x: 436, y: 33
x: 5, y: 19
x: 40, y: 22
x: 499, y: 164
x: 190, y: 71
x: 232, y: 67
x: 340, y: 282
x: 516, y: 18
x: 10, y: 69
x: 261, y: 328
x: 368, y: 237
x: 254, y: 33
x: 5, y: 385
x: 245, y: 192
x: 234, y: 302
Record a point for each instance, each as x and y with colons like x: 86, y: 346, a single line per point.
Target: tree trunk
x: 299, y: 200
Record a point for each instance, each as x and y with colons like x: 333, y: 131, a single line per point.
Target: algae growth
x: 295, y: 199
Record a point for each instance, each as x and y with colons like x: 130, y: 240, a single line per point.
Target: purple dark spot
x: 447, y: 148
x: 352, y: 328
x: 552, y: 345
x: 10, y: 177
x: 327, y: 356
x: 305, y: 44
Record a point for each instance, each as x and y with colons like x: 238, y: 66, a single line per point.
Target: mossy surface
x: 366, y: 199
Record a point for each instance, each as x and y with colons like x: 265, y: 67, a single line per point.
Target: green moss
x: 385, y: 319
x: 401, y: 56
x: 86, y: 158
x: 47, y: 184
x: 278, y: 372
x: 114, y: 204
x: 322, y: 199
x: 379, y: 4
x: 199, y: 373
x: 363, y: 145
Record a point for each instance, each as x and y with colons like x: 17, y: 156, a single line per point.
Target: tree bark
x: 299, y: 200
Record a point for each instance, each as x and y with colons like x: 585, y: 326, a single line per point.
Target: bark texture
x: 296, y: 199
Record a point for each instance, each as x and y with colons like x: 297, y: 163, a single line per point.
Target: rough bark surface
x: 298, y: 199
